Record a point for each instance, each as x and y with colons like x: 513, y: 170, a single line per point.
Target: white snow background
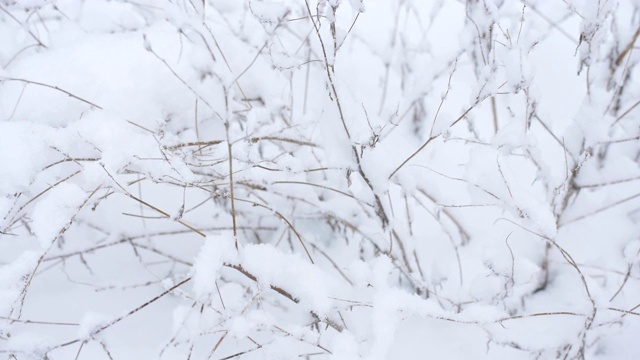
x: 319, y: 179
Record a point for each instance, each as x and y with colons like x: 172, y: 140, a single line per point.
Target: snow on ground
x: 319, y: 179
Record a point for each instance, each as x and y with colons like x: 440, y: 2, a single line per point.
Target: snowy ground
x: 319, y: 179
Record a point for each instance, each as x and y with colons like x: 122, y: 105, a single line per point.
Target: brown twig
x: 54, y: 88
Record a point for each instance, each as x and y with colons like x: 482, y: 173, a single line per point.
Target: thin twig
x: 286, y: 221
x: 52, y: 87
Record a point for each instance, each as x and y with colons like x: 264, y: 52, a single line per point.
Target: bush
x: 319, y: 179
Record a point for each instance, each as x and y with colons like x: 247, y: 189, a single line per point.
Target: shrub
x: 319, y: 179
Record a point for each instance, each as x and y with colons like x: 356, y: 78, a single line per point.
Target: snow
x: 53, y: 213
x: 263, y: 179
x: 91, y: 323
x: 208, y: 263
x: 22, y: 153
x: 271, y: 12
x: 312, y: 286
x: 12, y: 279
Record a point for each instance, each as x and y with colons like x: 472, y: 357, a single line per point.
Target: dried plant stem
x: 166, y: 215
x: 122, y: 317
x: 594, y: 212
x: 33, y: 36
x: 231, y: 188
x: 328, y: 70
x: 25, y: 288
x: 412, y: 156
x: 54, y: 88
x: 286, y: 221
